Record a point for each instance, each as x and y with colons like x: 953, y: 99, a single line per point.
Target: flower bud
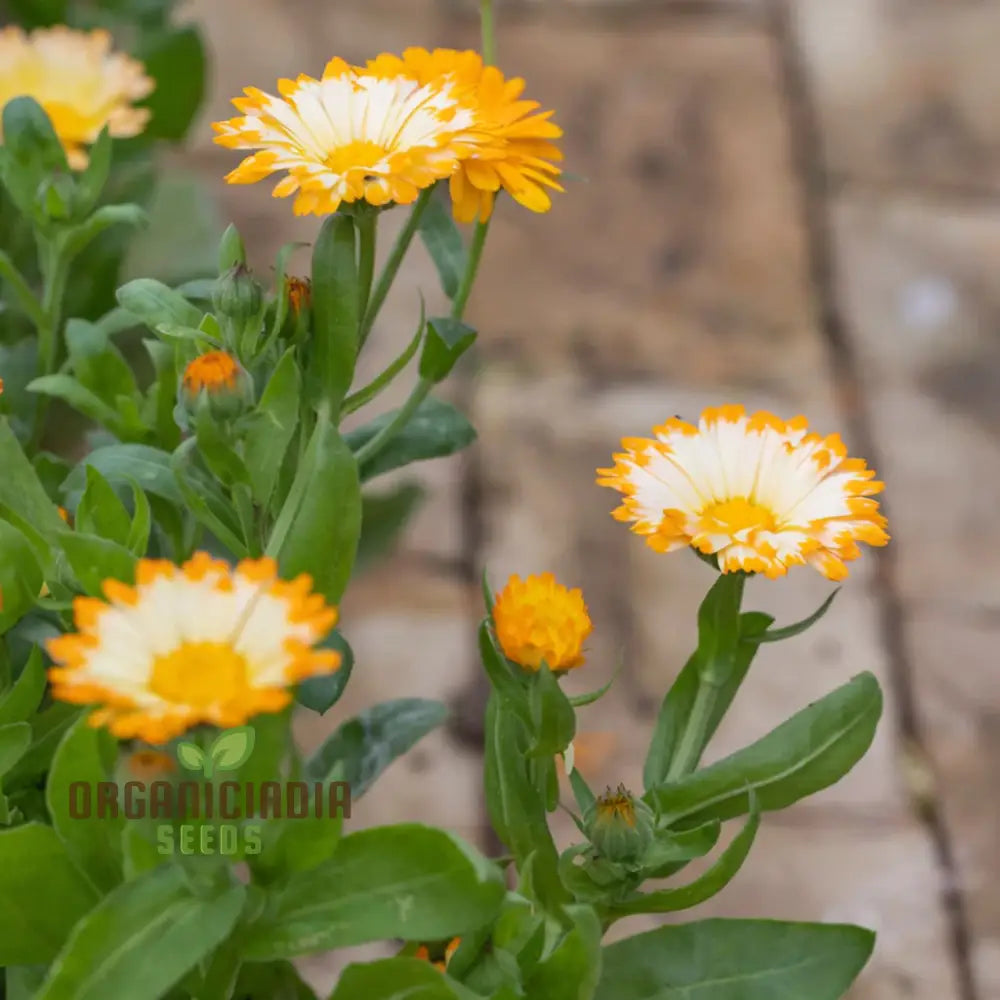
x: 237, y: 295
x: 218, y: 376
x: 619, y: 826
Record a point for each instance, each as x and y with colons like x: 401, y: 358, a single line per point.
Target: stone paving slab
x: 918, y: 283
x: 681, y: 250
x: 906, y: 89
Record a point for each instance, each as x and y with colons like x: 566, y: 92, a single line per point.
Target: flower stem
x: 717, y: 644
x: 55, y: 274
x: 392, y: 265
x: 367, y: 222
x: 471, y: 269
x: 489, y: 36
x: 372, y: 447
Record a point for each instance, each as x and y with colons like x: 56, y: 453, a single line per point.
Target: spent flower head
x: 203, y: 642
x: 758, y: 492
x: 539, y: 620
x: 80, y: 83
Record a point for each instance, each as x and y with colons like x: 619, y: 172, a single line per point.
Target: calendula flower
x: 423, y: 953
x: 198, y: 643
x: 220, y: 377
x: 538, y: 619
x: 759, y: 492
x: 82, y: 85
x: 620, y: 826
x: 353, y: 135
x: 512, y: 148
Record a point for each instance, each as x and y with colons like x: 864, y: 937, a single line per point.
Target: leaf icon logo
x: 230, y: 751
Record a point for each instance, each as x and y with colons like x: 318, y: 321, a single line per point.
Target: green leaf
x: 97, y: 364
x: 137, y: 541
x: 22, y: 700
x: 22, y: 981
x: 176, y: 60
x: 673, y: 849
x: 447, y: 340
x: 435, y: 430
x: 156, y: 305
x: 443, y: 241
x: 322, y: 692
x: 42, y: 895
x: 322, y: 539
x: 101, y: 512
x: 20, y: 576
x: 32, y: 155
x: 406, y: 881
x: 366, y: 394
x: 94, y: 560
x: 271, y: 981
x: 216, y: 450
x: 552, y: 716
x: 270, y: 428
x: 90, y: 182
x: 14, y: 740
x: 809, y: 752
x: 141, y: 939
x: 679, y: 700
x: 20, y: 489
x: 786, y: 632
x: 572, y: 969
x: 362, y: 748
x: 398, y: 979
x: 78, y: 397
x: 77, y: 239
x: 120, y: 464
x: 335, y: 304
x: 93, y: 843
x: 702, y: 888
x: 232, y: 749
x: 47, y: 729
x: 735, y: 960
x: 384, y: 517
x: 515, y: 806
x: 502, y: 676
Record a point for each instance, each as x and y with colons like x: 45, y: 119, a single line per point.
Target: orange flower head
x: 539, y: 620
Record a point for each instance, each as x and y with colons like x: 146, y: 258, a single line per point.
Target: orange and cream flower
x: 759, y: 492
x: 353, y: 135
x: 82, y: 85
x: 198, y: 643
x: 539, y: 620
x: 513, y: 147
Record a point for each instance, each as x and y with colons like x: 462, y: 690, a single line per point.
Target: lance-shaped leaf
x: 407, y: 881
x: 443, y: 241
x: 788, y: 631
x: 362, y: 748
x: 809, y: 752
x: 322, y: 538
x: 735, y: 960
x: 335, y: 303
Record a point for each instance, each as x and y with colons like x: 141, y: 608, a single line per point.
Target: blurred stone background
x: 792, y: 204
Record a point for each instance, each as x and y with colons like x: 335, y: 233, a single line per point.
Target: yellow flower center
x: 739, y: 514
x: 360, y: 153
x: 213, y: 371
x: 200, y: 674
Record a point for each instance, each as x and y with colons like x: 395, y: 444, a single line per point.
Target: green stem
x: 392, y: 265
x: 471, y: 269
x: 713, y: 669
x: 688, y: 753
x: 488, y: 32
x: 55, y: 274
x: 367, y: 222
x: 372, y: 447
